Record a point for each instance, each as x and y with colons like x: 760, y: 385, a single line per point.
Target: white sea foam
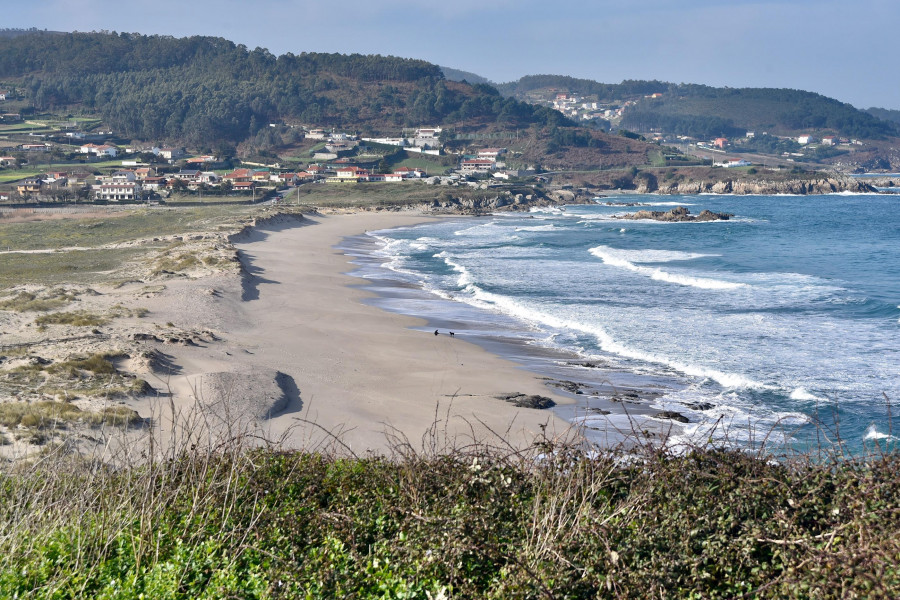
x: 802, y: 394
x: 491, y: 301
x: 614, y: 260
x: 465, y: 276
x: 669, y: 204
x: 650, y: 255
x: 480, y: 228
x: 872, y: 433
x: 537, y: 228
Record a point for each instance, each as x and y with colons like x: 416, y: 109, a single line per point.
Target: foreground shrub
x: 271, y: 524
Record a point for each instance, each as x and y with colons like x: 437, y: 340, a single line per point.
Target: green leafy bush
x: 556, y: 523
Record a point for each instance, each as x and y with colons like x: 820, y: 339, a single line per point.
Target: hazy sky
x: 845, y: 49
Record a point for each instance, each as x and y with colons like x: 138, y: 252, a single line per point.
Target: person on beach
x: 435, y: 332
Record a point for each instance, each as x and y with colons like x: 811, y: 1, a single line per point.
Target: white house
x: 104, y: 150
x: 805, y: 139
x: 117, y: 192
x: 829, y: 140
x: 732, y: 163
x: 169, y: 153
x: 477, y: 165
x: 490, y: 153
x: 428, y: 134
x: 408, y: 173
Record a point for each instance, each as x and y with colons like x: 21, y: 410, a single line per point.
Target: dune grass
x: 123, y: 224
x: 25, y: 301
x: 74, y: 318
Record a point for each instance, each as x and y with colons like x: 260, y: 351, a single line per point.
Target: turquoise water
x: 788, y: 314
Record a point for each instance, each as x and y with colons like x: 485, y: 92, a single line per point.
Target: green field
x: 16, y: 175
x: 432, y: 166
x: 24, y: 128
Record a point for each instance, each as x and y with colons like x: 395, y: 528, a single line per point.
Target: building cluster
x: 423, y: 140
x: 578, y: 107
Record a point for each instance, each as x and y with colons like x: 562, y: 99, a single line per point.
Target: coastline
x: 350, y: 374
x: 609, y: 406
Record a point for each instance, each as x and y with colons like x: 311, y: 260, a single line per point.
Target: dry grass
x: 35, y: 302
x: 74, y: 318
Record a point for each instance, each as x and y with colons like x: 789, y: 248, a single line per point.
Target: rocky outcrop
x: 884, y: 182
x: 677, y: 214
x: 475, y: 205
x: 526, y: 401
x: 673, y: 416
x: 823, y: 185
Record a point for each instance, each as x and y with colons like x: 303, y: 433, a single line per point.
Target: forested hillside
x: 605, y: 92
x: 703, y: 111
x: 204, y: 90
x: 457, y: 75
x: 885, y: 114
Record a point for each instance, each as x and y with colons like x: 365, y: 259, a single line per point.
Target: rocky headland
x: 820, y: 185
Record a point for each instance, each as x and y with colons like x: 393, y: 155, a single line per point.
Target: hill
x: 206, y: 91
x: 13, y: 32
x: 885, y: 114
x: 703, y: 111
x: 457, y: 75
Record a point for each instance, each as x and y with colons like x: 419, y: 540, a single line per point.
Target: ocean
x: 785, y: 318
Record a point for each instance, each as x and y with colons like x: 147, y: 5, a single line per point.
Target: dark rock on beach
x: 570, y: 386
x: 672, y: 415
x: 525, y: 401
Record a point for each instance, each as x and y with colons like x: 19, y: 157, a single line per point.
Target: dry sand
x: 303, y: 354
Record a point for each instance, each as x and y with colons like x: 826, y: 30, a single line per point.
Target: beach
x: 323, y: 368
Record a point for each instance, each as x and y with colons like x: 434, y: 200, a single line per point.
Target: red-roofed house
x: 720, y: 142
x: 239, y: 176
x: 408, y: 173
x: 243, y: 186
x: 345, y: 174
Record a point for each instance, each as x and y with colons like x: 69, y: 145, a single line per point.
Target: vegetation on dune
x: 75, y: 318
x: 473, y: 523
x: 25, y: 301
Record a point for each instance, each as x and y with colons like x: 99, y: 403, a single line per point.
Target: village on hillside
x: 70, y: 159
x: 610, y: 115
x: 85, y: 163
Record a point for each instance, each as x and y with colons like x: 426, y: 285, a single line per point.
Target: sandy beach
x: 294, y: 351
